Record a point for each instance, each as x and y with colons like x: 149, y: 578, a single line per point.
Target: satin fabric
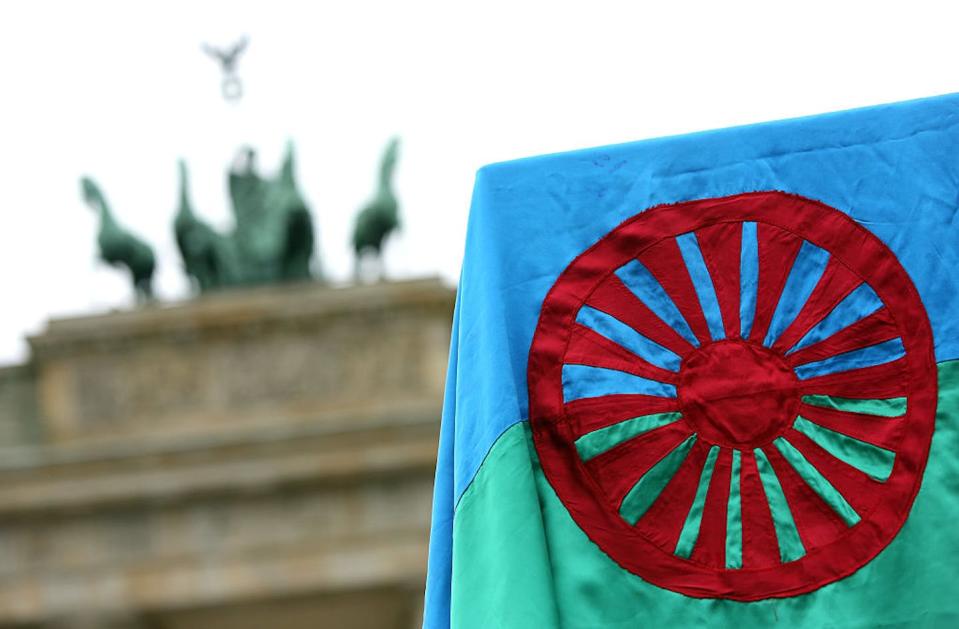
x: 582, y: 381
x: 693, y: 257
x: 790, y: 546
x: 876, y: 462
x: 690, y: 530
x: 645, y: 492
x: 803, y: 277
x: 595, y: 443
x: 878, y: 354
x: 734, y: 522
x: 888, y: 407
x: 754, y: 398
x: 892, y: 168
x: 748, y: 278
x: 856, y: 306
x: 817, y: 482
x: 628, y: 338
x: 640, y: 281
x: 520, y: 560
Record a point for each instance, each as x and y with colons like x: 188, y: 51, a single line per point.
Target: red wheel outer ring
x: 861, y: 252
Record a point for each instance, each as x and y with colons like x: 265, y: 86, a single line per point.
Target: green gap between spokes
x: 790, y: 546
x: 594, y: 443
x: 690, y: 531
x: 645, y: 492
x: 880, y: 407
x: 869, y: 459
x: 734, y: 519
x: 819, y: 483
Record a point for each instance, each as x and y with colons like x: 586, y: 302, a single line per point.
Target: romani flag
x: 709, y: 380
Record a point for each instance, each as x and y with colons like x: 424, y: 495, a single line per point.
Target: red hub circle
x: 708, y: 449
x: 737, y: 394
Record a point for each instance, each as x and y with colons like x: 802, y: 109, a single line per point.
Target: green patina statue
x: 380, y: 216
x: 118, y: 247
x: 207, y: 256
x: 274, y: 230
x: 272, y: 240
x: 273, y: 237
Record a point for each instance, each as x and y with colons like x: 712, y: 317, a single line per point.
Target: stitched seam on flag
x: 908, y: 377
x: 792, y: 349
x: 706, y: 602
x: 812, y: 552
x: 686, y: 444
x: 817, y: 149
x: 692, y: 527
x: 844, y: 216
x: 466, y: 487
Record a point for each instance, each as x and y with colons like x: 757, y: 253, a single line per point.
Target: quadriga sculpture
x: 272, y: 240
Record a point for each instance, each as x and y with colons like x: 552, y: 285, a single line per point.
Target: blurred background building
x: 250, y: 459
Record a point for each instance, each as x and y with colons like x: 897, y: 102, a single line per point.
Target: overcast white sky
x: 120, y: 90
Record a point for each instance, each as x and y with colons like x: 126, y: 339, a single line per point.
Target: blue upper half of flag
x: 893, y: 168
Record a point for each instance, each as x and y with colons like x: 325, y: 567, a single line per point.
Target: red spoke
x: 721, y: 246
x: 886, y: 380
x: 835, y: 285
x: 587, y: 347
x: 615, y: 299
x: 875, y: 328
x: 777, y: 253
x: 760, y: 546
x: 664, y: 520
x: 618, y: 469
x: 710, y: 547
x: 882, y: 432
x: 815, y: 520
x: 665, y: 261
x: 859, y: 490
x: 589, y: 414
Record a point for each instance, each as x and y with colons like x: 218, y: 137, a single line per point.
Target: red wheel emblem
x: 735, y: 397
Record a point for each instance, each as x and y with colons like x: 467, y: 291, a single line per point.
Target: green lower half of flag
x: 519, y: 559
